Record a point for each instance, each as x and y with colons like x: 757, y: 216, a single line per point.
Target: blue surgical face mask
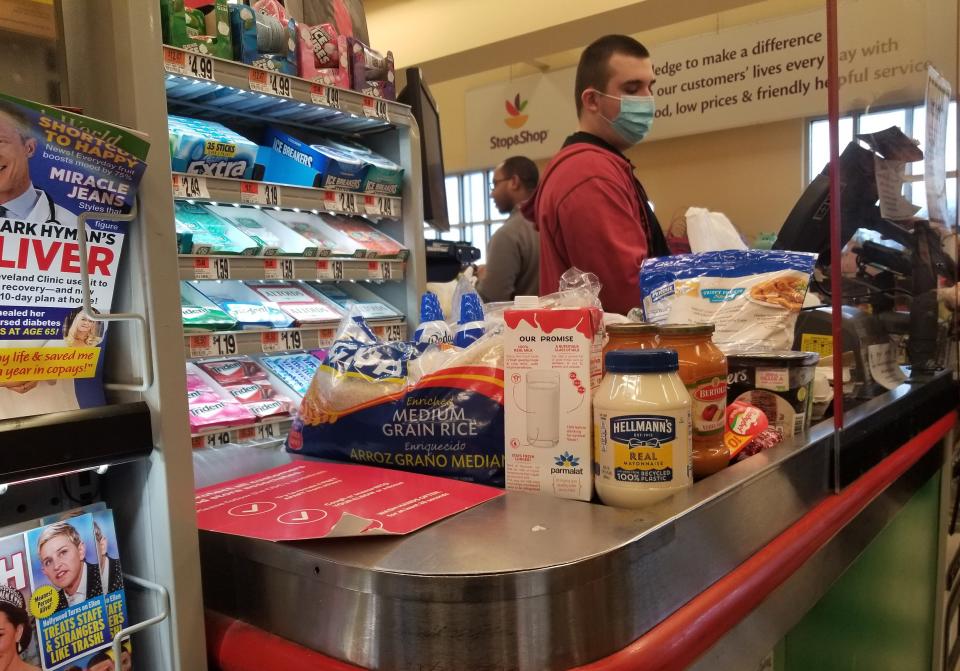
x: 635, y: 117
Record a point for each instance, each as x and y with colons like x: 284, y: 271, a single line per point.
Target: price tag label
x: 375, y: 270
x: 211, y: 268
x: 325, y: 338
x: 391, y: 333
x: 381, y: 206
x: 245, y: 434
x: 259, y: 193
x: 224, y: 343
x: 268, y: 431
x: 325, y: 95
x: 196, y: 442
x: 200, y: 345
x: 188, y: 64
x: 281, y: 341
x: 190, y: 186
x: 375, y: 108
x: 217, y: 439
x: 273, y: 83
x: 341, y: 201
x: 278, y: 269
x: 211, y: 345
x: 329, y: 270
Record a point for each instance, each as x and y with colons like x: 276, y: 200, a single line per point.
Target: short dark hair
x: 101, y: 656
x: 592, y: 70
x: 524, y: 168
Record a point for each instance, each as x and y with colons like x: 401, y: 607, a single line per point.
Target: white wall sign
x: 756, y: 73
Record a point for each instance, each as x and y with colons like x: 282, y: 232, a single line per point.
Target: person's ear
x: 590, y: 100
x: 31, y: 146
x: 515, y: 182
x: 82, y: 549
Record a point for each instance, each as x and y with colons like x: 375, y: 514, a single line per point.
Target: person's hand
x: 20, y: 386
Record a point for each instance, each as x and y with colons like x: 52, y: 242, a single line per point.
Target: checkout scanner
x: 892, y: 297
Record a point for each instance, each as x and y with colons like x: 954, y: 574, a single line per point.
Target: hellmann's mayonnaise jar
x: 641, y: 422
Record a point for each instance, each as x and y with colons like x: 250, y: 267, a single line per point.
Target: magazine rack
x: 164, y: 611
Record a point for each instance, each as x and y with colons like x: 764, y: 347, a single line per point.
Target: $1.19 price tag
x: 281, y: 341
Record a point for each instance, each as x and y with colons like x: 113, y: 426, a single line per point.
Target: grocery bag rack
x: 146, y: 353
x: 227, y: 191
x: 222, y: 91
x: 163, y: 613
x: 271, y: 341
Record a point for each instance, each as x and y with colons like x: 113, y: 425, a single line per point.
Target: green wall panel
x: 879, y: 616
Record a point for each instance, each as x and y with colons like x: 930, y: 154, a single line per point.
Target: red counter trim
x: 676, y: 642
x: 233, y: 645
x: 695, y: 627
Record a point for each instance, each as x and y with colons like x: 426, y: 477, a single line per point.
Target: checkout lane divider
x: 695, y: 627
x: 676, y: 642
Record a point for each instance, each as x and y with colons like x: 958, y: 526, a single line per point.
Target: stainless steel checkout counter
x: 532, y: 582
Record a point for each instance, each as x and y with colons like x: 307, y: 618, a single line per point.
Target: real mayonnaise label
x: 634, y: 448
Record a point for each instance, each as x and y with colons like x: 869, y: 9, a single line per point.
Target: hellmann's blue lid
x: 642, y: 361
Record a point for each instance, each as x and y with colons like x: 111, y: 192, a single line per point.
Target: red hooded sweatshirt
x: 589, y: 212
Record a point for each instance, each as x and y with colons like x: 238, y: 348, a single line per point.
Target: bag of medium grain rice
x: 751, y: 296
x: 439, y: 412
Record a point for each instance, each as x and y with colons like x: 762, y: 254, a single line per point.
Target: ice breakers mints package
x: 238, y: 301
x: 210, y: 234
x: 200, y: 314
x: 384, y: 404
x: 290, y: 297
x: 382, y: 177
x: 752, y: 296
x: 208, y: 148
x: 274, y: 238
x: 345, y: 169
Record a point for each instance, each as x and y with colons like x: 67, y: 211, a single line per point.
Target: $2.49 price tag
x: 190, y: 186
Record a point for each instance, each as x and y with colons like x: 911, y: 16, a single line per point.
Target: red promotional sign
x: 307, y: 499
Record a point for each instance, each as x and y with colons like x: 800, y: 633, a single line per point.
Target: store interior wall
x: 719, y: 170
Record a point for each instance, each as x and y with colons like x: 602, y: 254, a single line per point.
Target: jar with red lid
x: 703, y: 369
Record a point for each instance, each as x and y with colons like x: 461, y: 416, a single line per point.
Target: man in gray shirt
x: 513, y: 255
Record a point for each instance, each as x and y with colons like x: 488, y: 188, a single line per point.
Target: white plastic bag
x: 711, y: 231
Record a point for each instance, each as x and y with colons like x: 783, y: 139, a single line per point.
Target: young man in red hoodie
x: 591, y: 211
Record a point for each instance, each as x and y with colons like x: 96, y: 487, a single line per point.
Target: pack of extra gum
x: 207, y: 148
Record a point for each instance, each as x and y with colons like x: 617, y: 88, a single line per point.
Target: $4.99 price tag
x: 188, y: 64
x: 273, y: 83
x: 259, y: 193
x: 325, y: 95
x: 375, y: 108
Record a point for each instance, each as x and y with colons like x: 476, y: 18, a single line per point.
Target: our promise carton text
x: 551, y: 368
